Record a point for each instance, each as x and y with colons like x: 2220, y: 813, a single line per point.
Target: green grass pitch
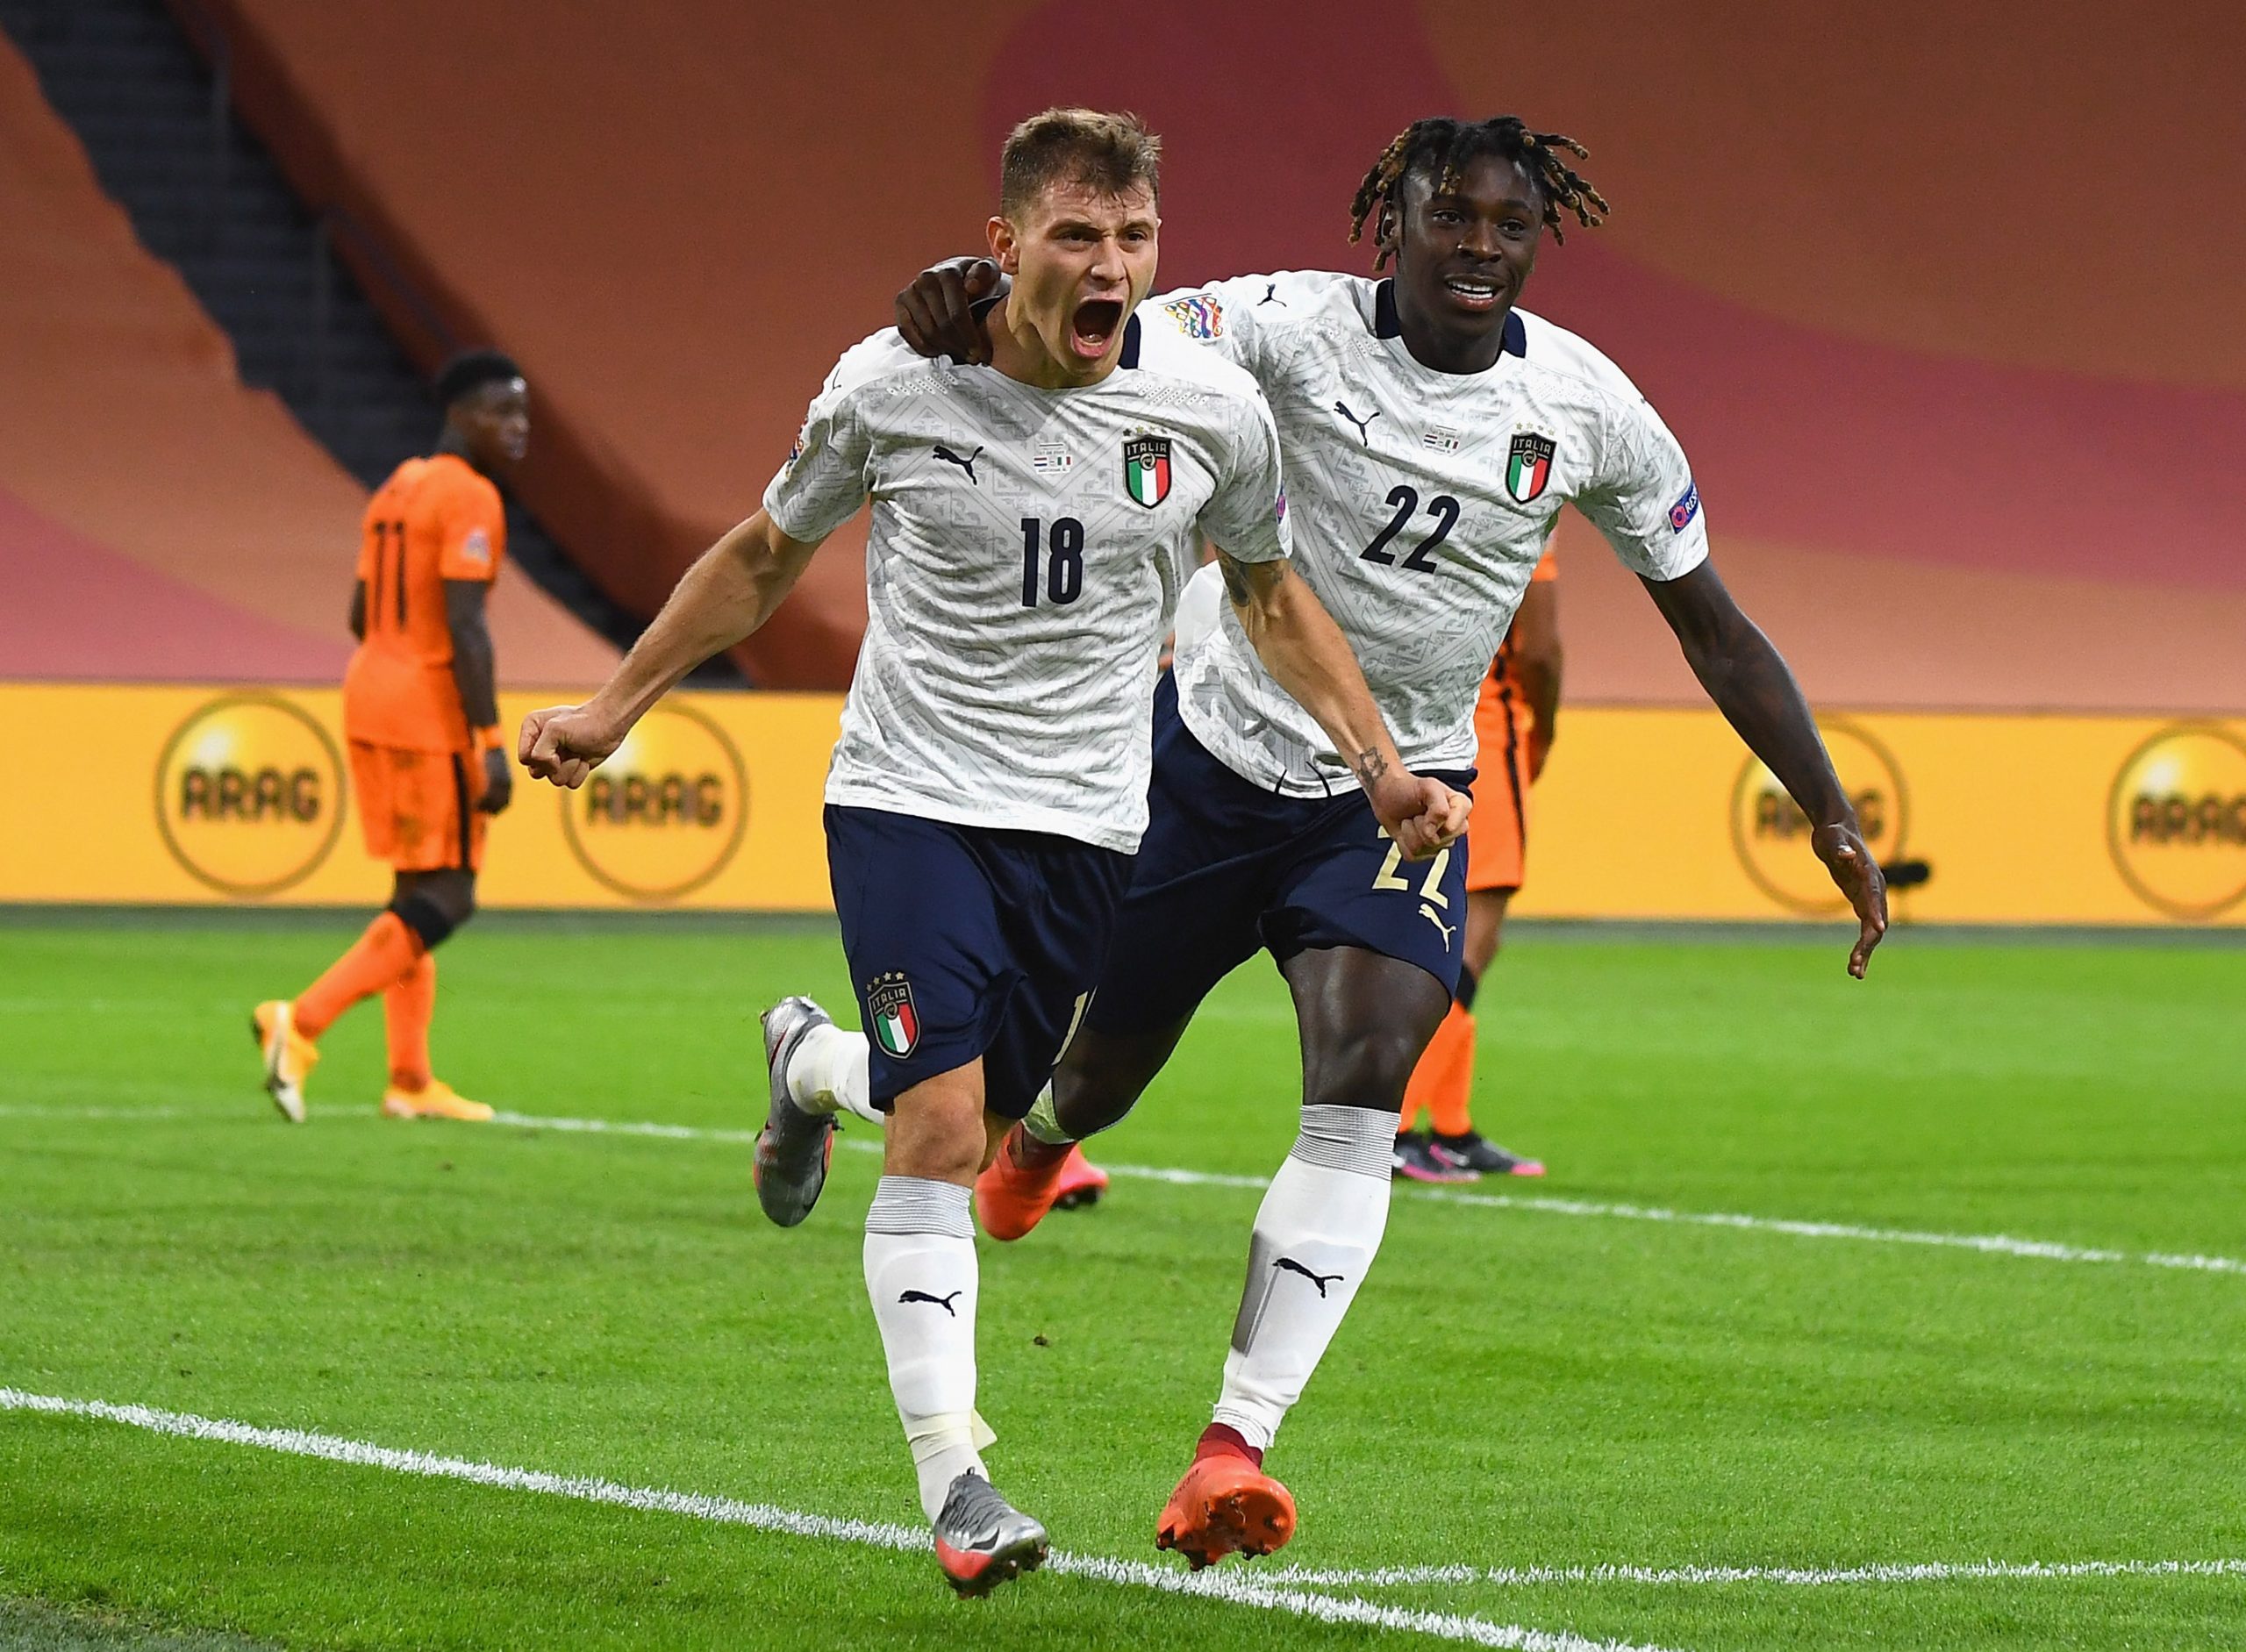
x: 1520, y: 1386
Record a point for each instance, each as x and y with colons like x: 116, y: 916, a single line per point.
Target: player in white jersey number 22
x: 1431, y: 431
x: 1032, y: 521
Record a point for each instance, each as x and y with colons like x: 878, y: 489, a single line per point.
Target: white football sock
x: 1044, y: 1124
x: 1315, y: 1235
x: 827, y: 1074
x: 921, y: 1276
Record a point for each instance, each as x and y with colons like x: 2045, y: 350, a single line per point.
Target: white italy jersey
x: 1026, y: 552
x: 1421, y: 501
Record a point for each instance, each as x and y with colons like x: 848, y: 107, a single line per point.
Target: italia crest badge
x: 1529, y: 467
x: 890, y: 1014
x: 1146, y: 469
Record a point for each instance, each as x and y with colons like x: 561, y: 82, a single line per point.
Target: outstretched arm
x: 1758, y: 696
x: 1308, y: 655
x: 726, y: 595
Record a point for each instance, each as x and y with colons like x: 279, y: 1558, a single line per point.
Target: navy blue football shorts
x: 968, y: 940
x: 1228, y: 867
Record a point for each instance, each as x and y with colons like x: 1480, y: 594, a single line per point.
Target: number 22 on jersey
x: 1405, y: 503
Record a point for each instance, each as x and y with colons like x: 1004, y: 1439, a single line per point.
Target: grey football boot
x: 792, y: 1150
x: 982, y: 1540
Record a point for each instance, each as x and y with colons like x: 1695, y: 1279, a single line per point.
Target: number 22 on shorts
x: 1430, y: 887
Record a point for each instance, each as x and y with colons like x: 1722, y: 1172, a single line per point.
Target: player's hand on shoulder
x: 565, y: 743
x: 1858, y: 876
x: 936, y: 313
x: 498, y: 782
x: 1423, y: 815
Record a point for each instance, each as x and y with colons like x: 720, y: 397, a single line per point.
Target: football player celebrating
x: 1032, y: 526
x: 1432, y: 430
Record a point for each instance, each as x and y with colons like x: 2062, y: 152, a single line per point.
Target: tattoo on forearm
x: 1245, y: 582
x: 1369, y: 766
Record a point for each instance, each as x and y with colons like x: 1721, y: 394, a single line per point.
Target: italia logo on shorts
x: 1529, y: 467
x: 1146, y: 469
x: 888, y: 1009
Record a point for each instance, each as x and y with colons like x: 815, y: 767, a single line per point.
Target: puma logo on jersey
x: 1448, y: 930
x: 1363, y: 424
x: 1271, y: 297
x: 1321, y: 1280
x: 965, y: 464
x: 921, y: 1296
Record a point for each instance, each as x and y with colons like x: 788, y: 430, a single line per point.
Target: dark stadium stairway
x: 204, y: 196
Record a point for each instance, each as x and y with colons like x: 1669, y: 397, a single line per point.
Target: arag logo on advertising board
x: 249, y: 794
x: 1772, y: 835
x: 666, y: 813
x: 2176, y: 820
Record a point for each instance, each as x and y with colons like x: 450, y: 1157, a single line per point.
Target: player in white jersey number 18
x: 1033, y: 520
x: 1442, y: 428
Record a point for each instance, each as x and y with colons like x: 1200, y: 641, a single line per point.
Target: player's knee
x: 425, y: 916
x: 1086, y: 1100
x: 1101, y: 1076
x: 938, y: 1129
x: 433, y: 907
x: 1362, y: 1067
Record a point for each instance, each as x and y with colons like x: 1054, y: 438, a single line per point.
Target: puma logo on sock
x: 1321, y: 1280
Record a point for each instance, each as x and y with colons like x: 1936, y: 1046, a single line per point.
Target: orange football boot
x: 435, y: 1099
x: 289, y: 1056
x: 1226, y: 1504
x: 1028, y: 1178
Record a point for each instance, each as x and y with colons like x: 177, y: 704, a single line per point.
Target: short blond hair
x: 1111, y: 153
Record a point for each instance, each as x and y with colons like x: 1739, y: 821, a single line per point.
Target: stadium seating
x: 2011, y: 458
x: 157, y: 519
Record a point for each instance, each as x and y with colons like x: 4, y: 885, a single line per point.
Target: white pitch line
x: 111, y: 1114
x: 629, y: 1127
x: 1232, y: 1588
x: 1993, y: 1244
x: 1800, y: 1576
x: 1988, y: 1244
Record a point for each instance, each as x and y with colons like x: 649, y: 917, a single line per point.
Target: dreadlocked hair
x: 1440, y: 147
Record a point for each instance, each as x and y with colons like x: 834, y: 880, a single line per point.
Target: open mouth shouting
x: 1093, y: 327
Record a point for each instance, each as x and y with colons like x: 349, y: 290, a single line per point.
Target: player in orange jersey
x: 421, y: 714
x: 1513, y: 722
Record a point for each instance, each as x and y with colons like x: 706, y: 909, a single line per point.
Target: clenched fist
x: 566, y: 743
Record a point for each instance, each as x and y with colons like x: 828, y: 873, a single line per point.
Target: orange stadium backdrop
x: 157, y: 519
x: 1943, y: 304
x: 1941, y: 301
